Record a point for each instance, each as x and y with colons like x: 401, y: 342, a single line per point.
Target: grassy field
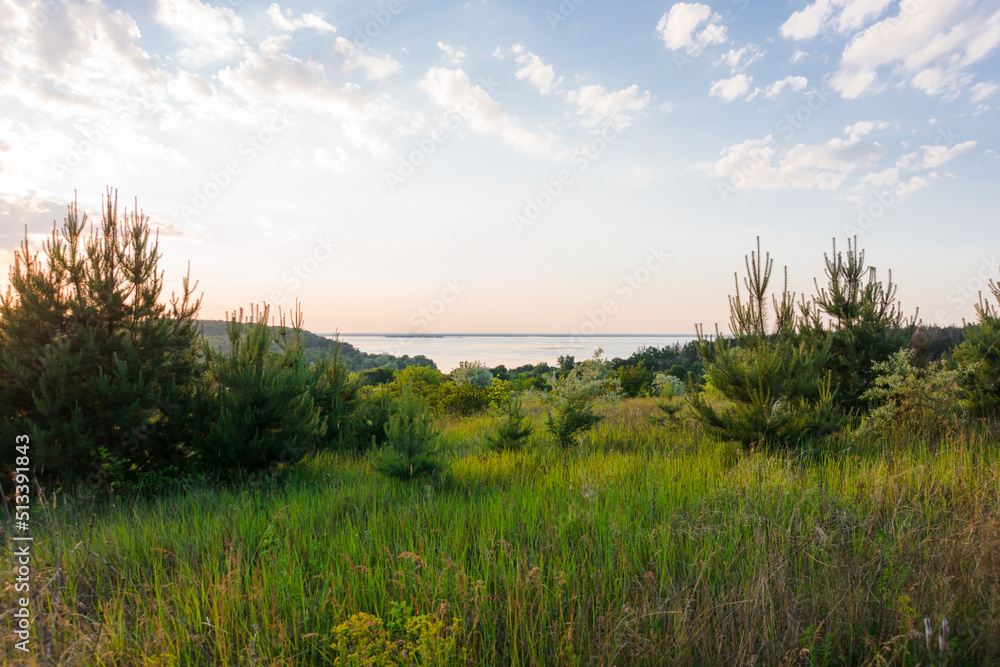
x: 647, y: 545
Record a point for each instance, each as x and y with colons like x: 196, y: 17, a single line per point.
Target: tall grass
x: 647, y: 545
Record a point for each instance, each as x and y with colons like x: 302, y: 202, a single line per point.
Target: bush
x: 908, y: 399
x: 667, y: 386
x: 377, y: 376
x: 411, y: 440
x: 634, y: 380
x: 512, y: 431
x: 257, y: 407
x: 428, y: 383
x: 469, y: 399
x: 93, y: 367
x: 472, y: 374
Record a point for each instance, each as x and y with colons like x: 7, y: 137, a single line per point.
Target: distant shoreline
x: 505, y: 335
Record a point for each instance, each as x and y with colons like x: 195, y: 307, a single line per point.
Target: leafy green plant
x: 634, y: 380
x: 411, y: 439
x: 512, y: 431
x: 472, y: 373
x: 668, y: 385
x: 365, y: 640
x: 909, y: 399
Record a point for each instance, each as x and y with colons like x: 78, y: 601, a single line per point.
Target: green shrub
x: 93, y: 367
x: 667, y: 385
x: 257, y: 408
x: 512, y: 432
x: 634, y: 380
x: 411, y: 440
x: 472, y: 373
x: 912, y: 400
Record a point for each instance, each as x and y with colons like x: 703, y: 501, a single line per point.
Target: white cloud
x: 844, y: 15
x: 935, y: 156
x: 758, y: 163
x: 862, y: 128
x: 738, y: 60
x: 210, y: 33
x: 451, y: 89
x: 912, y: 171
x: 730, y: 89
x: 309, y: 20
x: 540, y: 75
x: 799, y: 56
x: 600, y: 107
x: 454, y: 56
x: 931, y: 47
x: 807, y: 23
x: 378, y: 68
x: 856, y: 13
x: 280, y: 81
x: 678, y: 28
x: 791, y: 82
x: 982, y: 90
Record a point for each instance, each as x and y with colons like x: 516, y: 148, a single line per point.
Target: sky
x: 553, y: 167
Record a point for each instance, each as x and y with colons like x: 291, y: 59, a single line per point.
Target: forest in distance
x: 820, y: 487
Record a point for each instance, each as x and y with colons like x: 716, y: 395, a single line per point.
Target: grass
x: 646, y: 545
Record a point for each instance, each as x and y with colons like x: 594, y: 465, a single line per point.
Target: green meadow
x: 648, y: 544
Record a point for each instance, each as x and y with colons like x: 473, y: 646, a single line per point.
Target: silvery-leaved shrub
x: 911, y: 400
x: 668, y: 385
x: 472, y: 374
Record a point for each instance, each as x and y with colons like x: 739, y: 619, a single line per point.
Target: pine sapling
x: 411, y: 439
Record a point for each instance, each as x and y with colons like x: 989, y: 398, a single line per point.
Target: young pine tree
x: 256, y: 407
x: 93, y: 365
x: 411, y: 439
x: 334, y: 391
x: 981, y: 352
x: 866, y: 323
x: 575, y: 399
x: 767, y: 386
x: 512, y: 431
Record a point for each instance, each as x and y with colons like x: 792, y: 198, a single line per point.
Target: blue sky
x: 581, y: 166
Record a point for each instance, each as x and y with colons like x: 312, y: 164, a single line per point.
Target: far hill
x: 356, y: 360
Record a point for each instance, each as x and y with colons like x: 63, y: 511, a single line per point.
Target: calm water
x: 448, y: 350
